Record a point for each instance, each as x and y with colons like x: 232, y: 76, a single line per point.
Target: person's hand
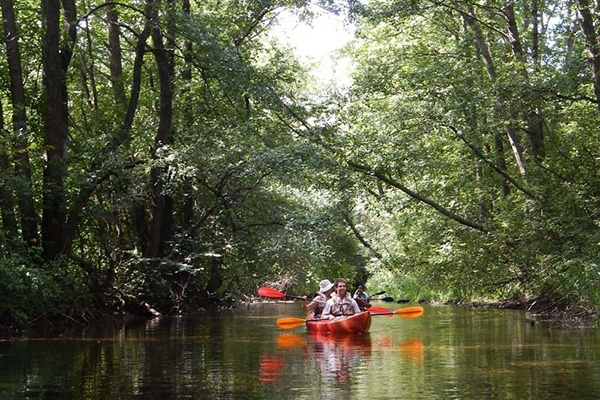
x: 304, y: 299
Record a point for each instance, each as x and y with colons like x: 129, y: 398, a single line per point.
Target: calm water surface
x: 448, y: 353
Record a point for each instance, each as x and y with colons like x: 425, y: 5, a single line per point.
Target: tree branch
x: 359, y: 236
x: 490, y: 164
x: 383, y: 177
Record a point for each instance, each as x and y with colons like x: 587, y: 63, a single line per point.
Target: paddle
x: 387, y: 299
x: 380, y: 311
x: 290, y: 322
x: 407, y: 312
x: 274, y: 294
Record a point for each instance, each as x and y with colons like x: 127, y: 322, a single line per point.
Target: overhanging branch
x: 383, y: 177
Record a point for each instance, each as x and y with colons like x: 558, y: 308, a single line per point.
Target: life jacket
x: 342, y: 306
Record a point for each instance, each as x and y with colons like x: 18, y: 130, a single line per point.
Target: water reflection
x: 271, y: 368
x: 448, y: 353
x: 337, y: 356
x: 290, y: 340
x: 413, y: 350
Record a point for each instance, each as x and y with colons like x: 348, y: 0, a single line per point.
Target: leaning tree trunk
x: 532, y: 115
x: 28, y: 216
x: 486, y: 57
x: 98, y: 171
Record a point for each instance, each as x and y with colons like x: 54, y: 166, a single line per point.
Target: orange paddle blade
x: 289, y: 323
x: 270, y: 292
x: 410, y: 312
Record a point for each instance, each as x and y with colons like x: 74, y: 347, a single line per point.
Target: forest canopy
x: 173, y: 154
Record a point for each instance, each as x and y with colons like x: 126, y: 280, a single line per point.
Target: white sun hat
x: 325, y: 285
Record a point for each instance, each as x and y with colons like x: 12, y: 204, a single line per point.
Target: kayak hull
x: 357, y: 323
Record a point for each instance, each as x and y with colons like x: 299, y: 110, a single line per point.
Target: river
x: 448, y: 353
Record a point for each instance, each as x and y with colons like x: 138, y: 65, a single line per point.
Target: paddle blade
x: 410, y: 312
x: 388, y: 299
x: 270, y: 292
x: 289, y: 323
x: 378, y: 293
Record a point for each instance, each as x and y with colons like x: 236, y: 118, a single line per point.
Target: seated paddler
x: 318, y: 302
x: 341, y: 302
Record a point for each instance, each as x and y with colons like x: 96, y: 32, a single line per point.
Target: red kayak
x: 357, y: 323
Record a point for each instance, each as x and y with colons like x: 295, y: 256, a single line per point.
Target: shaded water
x: 448, y: 353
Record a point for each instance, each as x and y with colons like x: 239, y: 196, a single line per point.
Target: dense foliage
x: 475, y: 124
x: 171, y: 154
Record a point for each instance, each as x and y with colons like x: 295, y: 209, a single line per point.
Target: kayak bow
x: 357, y: 323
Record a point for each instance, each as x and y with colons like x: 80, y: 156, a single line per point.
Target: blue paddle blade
x: 388, y: 299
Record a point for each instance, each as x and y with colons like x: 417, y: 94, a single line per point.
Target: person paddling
x: 362, y: 298
x: 340, y: 303
x: 361, y: 294
x: 318, y: 302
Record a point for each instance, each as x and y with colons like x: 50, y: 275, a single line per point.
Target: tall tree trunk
x: 114, y: 48
x: 570, y: 35
x: 28, y: 216
x: 187, y: 212
x: 7, y: 209
x: 592, y: 45
x: 535, y: 33
x: 161, y: 225
x: 57, y: 57
x: 91, y: 68
x: 54, y: 203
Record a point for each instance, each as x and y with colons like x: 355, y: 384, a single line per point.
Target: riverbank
x: 556, y: 314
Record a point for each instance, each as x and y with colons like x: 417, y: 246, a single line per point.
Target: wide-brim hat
x: 325, y: 285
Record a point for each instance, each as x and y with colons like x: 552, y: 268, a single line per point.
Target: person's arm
x: 367, y: 297
x: 307, y: 306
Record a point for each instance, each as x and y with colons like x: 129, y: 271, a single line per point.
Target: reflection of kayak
x: 271, y: 367
x: 349, y: 341
x: 357, y: 323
